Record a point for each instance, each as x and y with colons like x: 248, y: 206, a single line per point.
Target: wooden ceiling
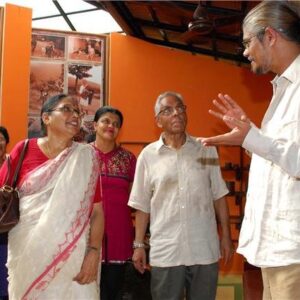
x: 217, y: 31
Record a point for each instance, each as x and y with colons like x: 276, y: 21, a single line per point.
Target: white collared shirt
x: 270, y: 234
x: 177, y: 188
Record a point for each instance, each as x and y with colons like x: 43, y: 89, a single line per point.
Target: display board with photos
x: 69, y: 63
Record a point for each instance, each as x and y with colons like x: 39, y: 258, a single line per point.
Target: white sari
x: 47, y: 247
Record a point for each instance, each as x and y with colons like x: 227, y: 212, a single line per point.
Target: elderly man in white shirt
x: 178, y: 185
x: 270, y: 234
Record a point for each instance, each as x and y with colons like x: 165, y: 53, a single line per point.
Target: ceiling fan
x: 205, y: 24
x: 201, y: 22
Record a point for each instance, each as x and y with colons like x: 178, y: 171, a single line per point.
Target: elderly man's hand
x: 139, y: 259
x: 227, y: 249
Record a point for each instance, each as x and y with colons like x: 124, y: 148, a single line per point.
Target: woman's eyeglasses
x: 68, y: 110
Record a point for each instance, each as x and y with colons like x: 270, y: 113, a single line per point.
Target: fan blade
x: 201, y: 26
x: 193, y: 37
x: 200, y: 12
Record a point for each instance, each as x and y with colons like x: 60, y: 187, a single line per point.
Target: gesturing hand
x: 235, y: 137
x: 228, y: 108
x: 234, y: 117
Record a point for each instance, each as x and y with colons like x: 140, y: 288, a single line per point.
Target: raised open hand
x: 227, y: 108
x: 236, y: 136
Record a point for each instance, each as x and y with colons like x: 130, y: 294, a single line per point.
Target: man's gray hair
x: 164, y: 95
x: 283, y: 16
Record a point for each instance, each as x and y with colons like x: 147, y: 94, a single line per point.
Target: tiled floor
x: 225, y: 293
x: 230, y: 287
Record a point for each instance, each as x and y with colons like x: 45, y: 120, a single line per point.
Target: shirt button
x: 182, y: 206
x: 181, y: 188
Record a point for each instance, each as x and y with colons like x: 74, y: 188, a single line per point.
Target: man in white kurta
x: 180, y: 187
x: 270, y: 234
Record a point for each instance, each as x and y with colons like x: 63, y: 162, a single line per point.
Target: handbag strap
x: 16, y: 175
x: 8, y: 169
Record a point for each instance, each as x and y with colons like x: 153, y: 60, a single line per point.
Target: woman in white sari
x: 53, y: 252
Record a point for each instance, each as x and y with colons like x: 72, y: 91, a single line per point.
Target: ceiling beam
x: 99, y: 5
x: 156, y: 21
x: 160, y: 25
x: 63, y: 14
x: 123, y: 12
x: 129, y: 18
x: 190, y: 48
x: 69, y: 13
x: 180, y: 29
x: 210, y: 9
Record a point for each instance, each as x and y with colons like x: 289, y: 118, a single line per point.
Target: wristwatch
x: 138, y: 245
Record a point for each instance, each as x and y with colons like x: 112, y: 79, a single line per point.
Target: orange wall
x: 15, y: 71
x: 140, y: 71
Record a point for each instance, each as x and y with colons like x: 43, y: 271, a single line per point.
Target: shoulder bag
x: 9, y: 196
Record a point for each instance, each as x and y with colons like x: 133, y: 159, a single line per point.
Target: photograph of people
x: 85, y: 49
x: 47, y: 46
x: 85, y: 82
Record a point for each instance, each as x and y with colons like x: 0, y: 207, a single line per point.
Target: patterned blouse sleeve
x: 132, y: 167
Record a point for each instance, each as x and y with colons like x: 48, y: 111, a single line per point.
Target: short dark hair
x: 5, y: 134
x: 108, y: 109
x: 49, y: 105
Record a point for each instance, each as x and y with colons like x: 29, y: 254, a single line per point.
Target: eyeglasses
x: 168, y: 111
x: 68, y: 110
x: 246, y: 42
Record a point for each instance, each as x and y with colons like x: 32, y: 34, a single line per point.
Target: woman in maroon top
x: 4, y: 140
x: 53, y: 252
x: 117, y: 173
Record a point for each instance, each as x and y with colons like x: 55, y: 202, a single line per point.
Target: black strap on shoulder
x: 16, y: 175
x: 8, y: 169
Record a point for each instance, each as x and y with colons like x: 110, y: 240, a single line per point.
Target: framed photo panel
x: 69, y: 63
x: 47, y: 46
x: 85, y: 48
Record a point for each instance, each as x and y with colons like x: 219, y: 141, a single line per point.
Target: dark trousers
x: 3, y: 269
x: 197, y: 282
x: 112, y: 278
